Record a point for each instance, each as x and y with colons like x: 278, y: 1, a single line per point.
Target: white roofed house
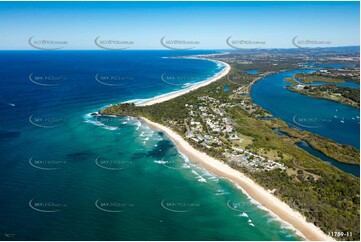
x: 200, y: 137
x: 234, y: 136
x: 190, y: 134
x: 300, y: 86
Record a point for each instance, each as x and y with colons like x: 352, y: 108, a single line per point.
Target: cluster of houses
x: 209, y: 122
x: 210, y: 127
x: 349, y: 72
x: 340, y: 73
x: 252, y: 162
x: 248, y: 106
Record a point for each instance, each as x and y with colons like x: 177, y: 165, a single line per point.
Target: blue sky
x: 209, y: 23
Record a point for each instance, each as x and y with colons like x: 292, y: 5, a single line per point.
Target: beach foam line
x: 187, y: 87
x: 171, y: 95
x: 137, y: 101
x: 280, y: 209
x: 88, y: 118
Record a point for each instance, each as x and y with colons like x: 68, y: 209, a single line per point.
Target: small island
x: 328, y: 89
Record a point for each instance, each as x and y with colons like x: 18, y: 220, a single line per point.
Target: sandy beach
x: 169, y: 96
x: 255, y: 191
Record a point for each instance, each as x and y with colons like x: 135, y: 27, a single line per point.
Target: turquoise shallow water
x: 69, y: 176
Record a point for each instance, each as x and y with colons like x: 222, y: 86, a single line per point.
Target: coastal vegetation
x: 291, y: 80
x: 230, y: 127
x: 344, y: 95
x: 308, y: 78
x: 340, y: 152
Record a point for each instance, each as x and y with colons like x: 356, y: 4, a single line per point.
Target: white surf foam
x: 244, y: 215
x: 199, y: 177
x: 272, y: 216
x: 221, y: 192
x: 88, y: 118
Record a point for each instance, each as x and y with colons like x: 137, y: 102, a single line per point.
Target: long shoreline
x: 254, y: 191
x: 172, y: 95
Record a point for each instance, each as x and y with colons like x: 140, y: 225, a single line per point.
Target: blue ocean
x: 66, y: 175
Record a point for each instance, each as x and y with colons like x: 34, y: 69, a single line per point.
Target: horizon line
x: 214, y: 49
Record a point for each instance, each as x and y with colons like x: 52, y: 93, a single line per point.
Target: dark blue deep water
x: 327, y: 118
x: 352, y: 169
x: 66, y: 175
